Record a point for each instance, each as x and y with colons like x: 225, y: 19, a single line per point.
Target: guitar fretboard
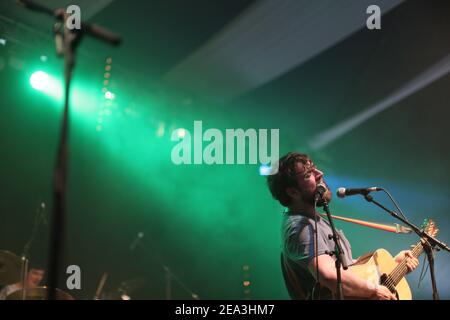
x: 400, y: 270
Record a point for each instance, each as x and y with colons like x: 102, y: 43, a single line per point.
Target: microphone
x: 343, y: 192
x: 320, y: 191
x: 136, y: 241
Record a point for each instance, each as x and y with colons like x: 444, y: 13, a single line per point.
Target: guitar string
x: 416, y: 252
x: 390, y: 279
x: 393, y: 279
x: 397, y: 271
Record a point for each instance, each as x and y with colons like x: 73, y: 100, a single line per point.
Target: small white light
x: 160, y: 131
x: 39, y: 80
x: 181, y: 133
x: 264, y: 170
x: 109, y: 95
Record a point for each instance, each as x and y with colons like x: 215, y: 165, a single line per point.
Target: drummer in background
x: 34, y: 277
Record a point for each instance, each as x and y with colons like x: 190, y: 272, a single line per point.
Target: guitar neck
x: 401, y: 269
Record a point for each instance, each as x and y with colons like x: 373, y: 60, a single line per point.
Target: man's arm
x: 352, y: 285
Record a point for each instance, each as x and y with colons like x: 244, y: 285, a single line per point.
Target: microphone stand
x: 70, y: 40
x: 26, y: 249
x: 431, y: 242
x: 23, y: 276
x: 169, y: 275
x: 430, y: 256
x: 338, y: 252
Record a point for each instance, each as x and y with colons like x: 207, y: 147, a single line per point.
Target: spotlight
x: 264, y: 170
x: 109, y: 95
x: 39, y: 80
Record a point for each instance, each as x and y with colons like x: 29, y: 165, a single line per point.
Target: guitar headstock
x: 429, y: 227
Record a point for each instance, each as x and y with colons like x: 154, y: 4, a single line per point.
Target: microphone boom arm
x: 432, y: 240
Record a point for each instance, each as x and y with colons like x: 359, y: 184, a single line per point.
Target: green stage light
x: 47, y: 84
x: 39, y: 80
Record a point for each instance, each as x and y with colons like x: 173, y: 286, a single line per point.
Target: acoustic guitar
x: 379, y: 267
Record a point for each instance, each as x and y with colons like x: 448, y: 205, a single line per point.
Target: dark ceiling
x: 405, y: 146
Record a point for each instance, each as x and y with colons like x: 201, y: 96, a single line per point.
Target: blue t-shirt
x: 298, y: 250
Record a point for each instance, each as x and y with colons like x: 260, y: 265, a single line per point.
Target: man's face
x: 35, y: 276
x: 308, y: 177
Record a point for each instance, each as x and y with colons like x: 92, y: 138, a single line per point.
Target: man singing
x: 304, y: 259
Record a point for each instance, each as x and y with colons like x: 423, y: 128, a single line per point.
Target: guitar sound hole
x: 386, y: 281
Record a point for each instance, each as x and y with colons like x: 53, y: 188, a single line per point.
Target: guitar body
x: 374, y: 265
x: 379, y: 267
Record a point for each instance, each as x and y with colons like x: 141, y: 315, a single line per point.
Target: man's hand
x: 411, y: 261
x: 383, y: 293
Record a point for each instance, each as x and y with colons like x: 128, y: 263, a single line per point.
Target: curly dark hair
x: 285, y: 177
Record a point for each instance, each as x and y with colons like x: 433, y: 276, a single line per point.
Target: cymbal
x: 9, y: 268
x: 39, y: 293
x: 131, y: 285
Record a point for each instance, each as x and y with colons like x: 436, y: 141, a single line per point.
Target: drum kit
x: 10, y: 274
